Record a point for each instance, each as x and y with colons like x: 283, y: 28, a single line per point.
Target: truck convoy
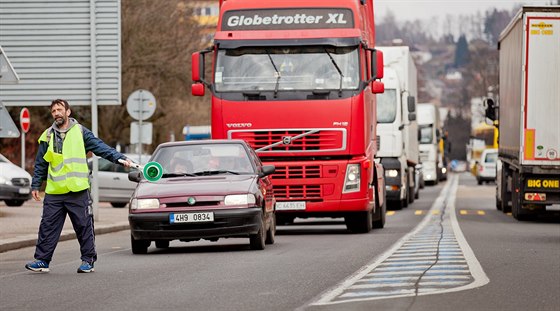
x: 397, y: 129
x: 297, y: 80
x: 528, y: 112
x: 431, y: 157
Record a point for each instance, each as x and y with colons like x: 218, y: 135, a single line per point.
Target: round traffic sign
x: 141, y: 105
x: 24, y: 120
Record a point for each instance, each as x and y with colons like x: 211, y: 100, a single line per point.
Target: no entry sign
x: 24, y: 120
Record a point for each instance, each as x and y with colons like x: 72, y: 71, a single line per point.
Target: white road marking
x: 433, y: 258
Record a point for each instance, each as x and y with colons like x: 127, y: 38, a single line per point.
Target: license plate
x: 290, y: 206
x: 23, y: 190
x: 176, y: 218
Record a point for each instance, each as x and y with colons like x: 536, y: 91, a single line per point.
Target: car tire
x: 162, y: 244
x: 14, y: 202
x: 139, y: 246
x: 258, y: 240
x: 271, y: 233
x: 118, y: 205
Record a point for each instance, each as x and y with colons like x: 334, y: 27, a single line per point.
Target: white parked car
x: 114, y: 186
x: 486, y: 167
x: 15, y: 183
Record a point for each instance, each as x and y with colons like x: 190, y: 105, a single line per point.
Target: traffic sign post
x: 25, y: 123
x: 141, y: 105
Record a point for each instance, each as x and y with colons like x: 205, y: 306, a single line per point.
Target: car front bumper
x: 227, y: 223
x: 8, y: 192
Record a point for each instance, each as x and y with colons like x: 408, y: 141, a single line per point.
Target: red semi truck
x: 297, y: 80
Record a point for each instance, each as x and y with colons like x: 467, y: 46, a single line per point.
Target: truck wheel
x: 359, y: 222
x: 505, y: 194
x: 380, y: 213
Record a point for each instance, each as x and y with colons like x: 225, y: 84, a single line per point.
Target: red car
x: 209, y: 189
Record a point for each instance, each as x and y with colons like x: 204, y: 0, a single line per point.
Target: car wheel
x: 271, y: 233
x: 162, y: 244
x: 118, y: 205
x: 14, y: 202
x: 139, y: 246
x: 257, y: 241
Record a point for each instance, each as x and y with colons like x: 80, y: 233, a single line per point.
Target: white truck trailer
x: 429, y: 125
x: 397, y: 128
x: 528, y: 112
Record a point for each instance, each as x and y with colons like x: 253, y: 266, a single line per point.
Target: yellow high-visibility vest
x: 68, y: 172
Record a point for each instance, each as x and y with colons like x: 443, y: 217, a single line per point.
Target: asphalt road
x: 485, y: 260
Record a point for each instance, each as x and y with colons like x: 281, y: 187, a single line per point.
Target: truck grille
x: 293, y: 140
x: 297, y: 192
x: 299, y: 171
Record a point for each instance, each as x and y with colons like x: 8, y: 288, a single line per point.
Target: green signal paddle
x: 152, y: 171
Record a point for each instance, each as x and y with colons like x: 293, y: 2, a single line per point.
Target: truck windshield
x: 426, y: 134
x: 387, y: 106
x: 297, y: 68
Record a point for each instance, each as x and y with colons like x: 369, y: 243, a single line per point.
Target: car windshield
x: 387, y: 106
x: 287, y: 68
x: 491, y: 157
x: 204, y: 159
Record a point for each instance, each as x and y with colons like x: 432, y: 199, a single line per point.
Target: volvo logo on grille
x: 286, y: 140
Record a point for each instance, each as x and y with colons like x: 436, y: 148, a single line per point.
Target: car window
x: 491, y: 157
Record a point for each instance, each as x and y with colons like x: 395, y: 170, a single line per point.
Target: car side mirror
x: 135, y: 176
x: 267, y: 170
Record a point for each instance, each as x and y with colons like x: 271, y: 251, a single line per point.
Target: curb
x: 69, y: 234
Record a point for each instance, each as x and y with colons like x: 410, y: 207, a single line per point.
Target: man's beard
x: 60, y: 121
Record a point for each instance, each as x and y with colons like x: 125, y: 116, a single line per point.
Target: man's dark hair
x: 60, y: 102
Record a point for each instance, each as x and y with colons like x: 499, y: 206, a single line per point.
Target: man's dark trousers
x: 55, y: 208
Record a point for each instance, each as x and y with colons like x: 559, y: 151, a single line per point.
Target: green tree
x: 462, y: 54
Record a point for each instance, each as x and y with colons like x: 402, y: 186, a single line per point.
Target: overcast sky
x: 425, y: 9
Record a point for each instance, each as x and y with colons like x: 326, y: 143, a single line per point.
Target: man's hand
x: 35, y: 195
x: 126, y: 163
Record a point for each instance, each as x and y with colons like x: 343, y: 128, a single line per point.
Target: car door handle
x: 116, y: 178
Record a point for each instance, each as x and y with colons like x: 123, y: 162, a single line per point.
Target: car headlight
x: 391, y: 173
x: 240, y: 199
x: 144, y: 204
x: 4, y: 181
x: 352, y: 180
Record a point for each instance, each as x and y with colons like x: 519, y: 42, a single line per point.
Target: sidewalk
x: 19, y: 225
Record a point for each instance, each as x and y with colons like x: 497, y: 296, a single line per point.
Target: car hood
x: 202, y: 185
x: 9, y: 171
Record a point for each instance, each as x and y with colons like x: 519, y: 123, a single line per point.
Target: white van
x: 486, y: 166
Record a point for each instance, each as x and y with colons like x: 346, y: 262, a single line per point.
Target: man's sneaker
x: 38, y: 266
x: 86, y: 267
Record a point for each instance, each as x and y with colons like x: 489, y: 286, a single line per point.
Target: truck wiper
x: 339, y: 72
x: 277, y: 74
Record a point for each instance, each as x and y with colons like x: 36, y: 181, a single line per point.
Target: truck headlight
x: 391, y: 173
x: 240, y: 199
x: 352, y: 180
x: 144, y: 204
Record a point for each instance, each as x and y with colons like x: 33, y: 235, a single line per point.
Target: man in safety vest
x: 61, y: 161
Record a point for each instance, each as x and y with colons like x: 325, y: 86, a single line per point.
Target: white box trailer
x: 397, y: 129
x: 529, y: 111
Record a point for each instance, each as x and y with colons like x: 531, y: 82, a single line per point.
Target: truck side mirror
x: 490, y: 109
x: 377, y: 87
x: 377, y: 64
x: 412, y: 116
x: 197, y: 66
x: 197, y: 89
x: 411, y: 104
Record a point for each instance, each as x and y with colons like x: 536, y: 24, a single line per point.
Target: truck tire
x: 505, y: 194
x: 359, y: 222
x: 380, y: 213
